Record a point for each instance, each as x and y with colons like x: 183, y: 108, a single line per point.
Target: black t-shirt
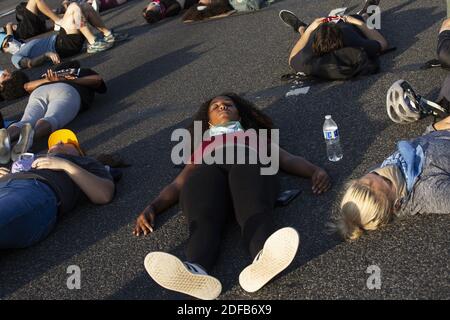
x: 87, y: 94
x: 68, y: 45
x: 353, y: 37
x: 67, y: 191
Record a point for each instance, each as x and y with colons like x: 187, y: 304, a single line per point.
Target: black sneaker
x: 291, y: 20
x: 367, y: 4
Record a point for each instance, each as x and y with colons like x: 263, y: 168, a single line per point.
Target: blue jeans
x: 28, y: 210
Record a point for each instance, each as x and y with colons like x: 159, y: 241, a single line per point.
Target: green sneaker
x: 115, y: 37
x: 98, y: 46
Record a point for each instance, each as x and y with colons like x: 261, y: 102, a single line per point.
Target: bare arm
x: 32, y: 85
x: 98, y: 190
x: 301, y: 167
x: 166, y: 199
x: 300, y: 45
x: 93, y: 81
x: 371, y: 34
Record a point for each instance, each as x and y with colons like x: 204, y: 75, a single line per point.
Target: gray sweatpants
x: 56, y: 103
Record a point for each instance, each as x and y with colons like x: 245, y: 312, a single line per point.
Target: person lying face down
x: 34, y: 199
x: 209, y: 194
x: 327, y: 35
x: 54, y: 101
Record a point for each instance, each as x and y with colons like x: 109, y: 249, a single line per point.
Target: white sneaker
x: 5, y: 147
x: 25, y: 142
x: 277, y: 254
x: 171, y: 273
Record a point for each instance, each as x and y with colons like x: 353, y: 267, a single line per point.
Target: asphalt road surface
x: 156, y: 82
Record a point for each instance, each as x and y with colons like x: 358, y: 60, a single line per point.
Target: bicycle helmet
x: 402, y: 103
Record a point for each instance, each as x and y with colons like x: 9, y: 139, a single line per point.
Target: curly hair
x: 251, y: 117
x: 13, y: 88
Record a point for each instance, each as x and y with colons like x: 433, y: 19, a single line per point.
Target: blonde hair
x: 361, y: 209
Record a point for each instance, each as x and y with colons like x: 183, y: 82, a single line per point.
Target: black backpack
x: 342, y: 64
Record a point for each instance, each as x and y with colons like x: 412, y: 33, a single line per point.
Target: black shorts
x: 30, y: 25
x: 443, y: 48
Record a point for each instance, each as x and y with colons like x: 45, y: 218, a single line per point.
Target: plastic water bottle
x: 331, y: 135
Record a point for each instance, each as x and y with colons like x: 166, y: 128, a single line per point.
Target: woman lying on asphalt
x: 327, y: 35
x: 55, y: 100
x: 32, y: 200
x: 210, y: 194
x: 413, y: 180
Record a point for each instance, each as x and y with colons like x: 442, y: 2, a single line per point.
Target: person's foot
x: 367, y: 4
x: 291, y: 20
x: 5, y: 147
x: 25, y: 142
x: 114, y: 37
x: 277, y: 254
x: 171, y: 273
x: 98, y: 46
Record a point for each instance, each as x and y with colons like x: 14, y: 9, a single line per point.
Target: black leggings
x: 212, y: 193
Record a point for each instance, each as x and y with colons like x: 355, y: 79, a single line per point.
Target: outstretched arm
x: 166, y: 199
x: 301, y: 167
